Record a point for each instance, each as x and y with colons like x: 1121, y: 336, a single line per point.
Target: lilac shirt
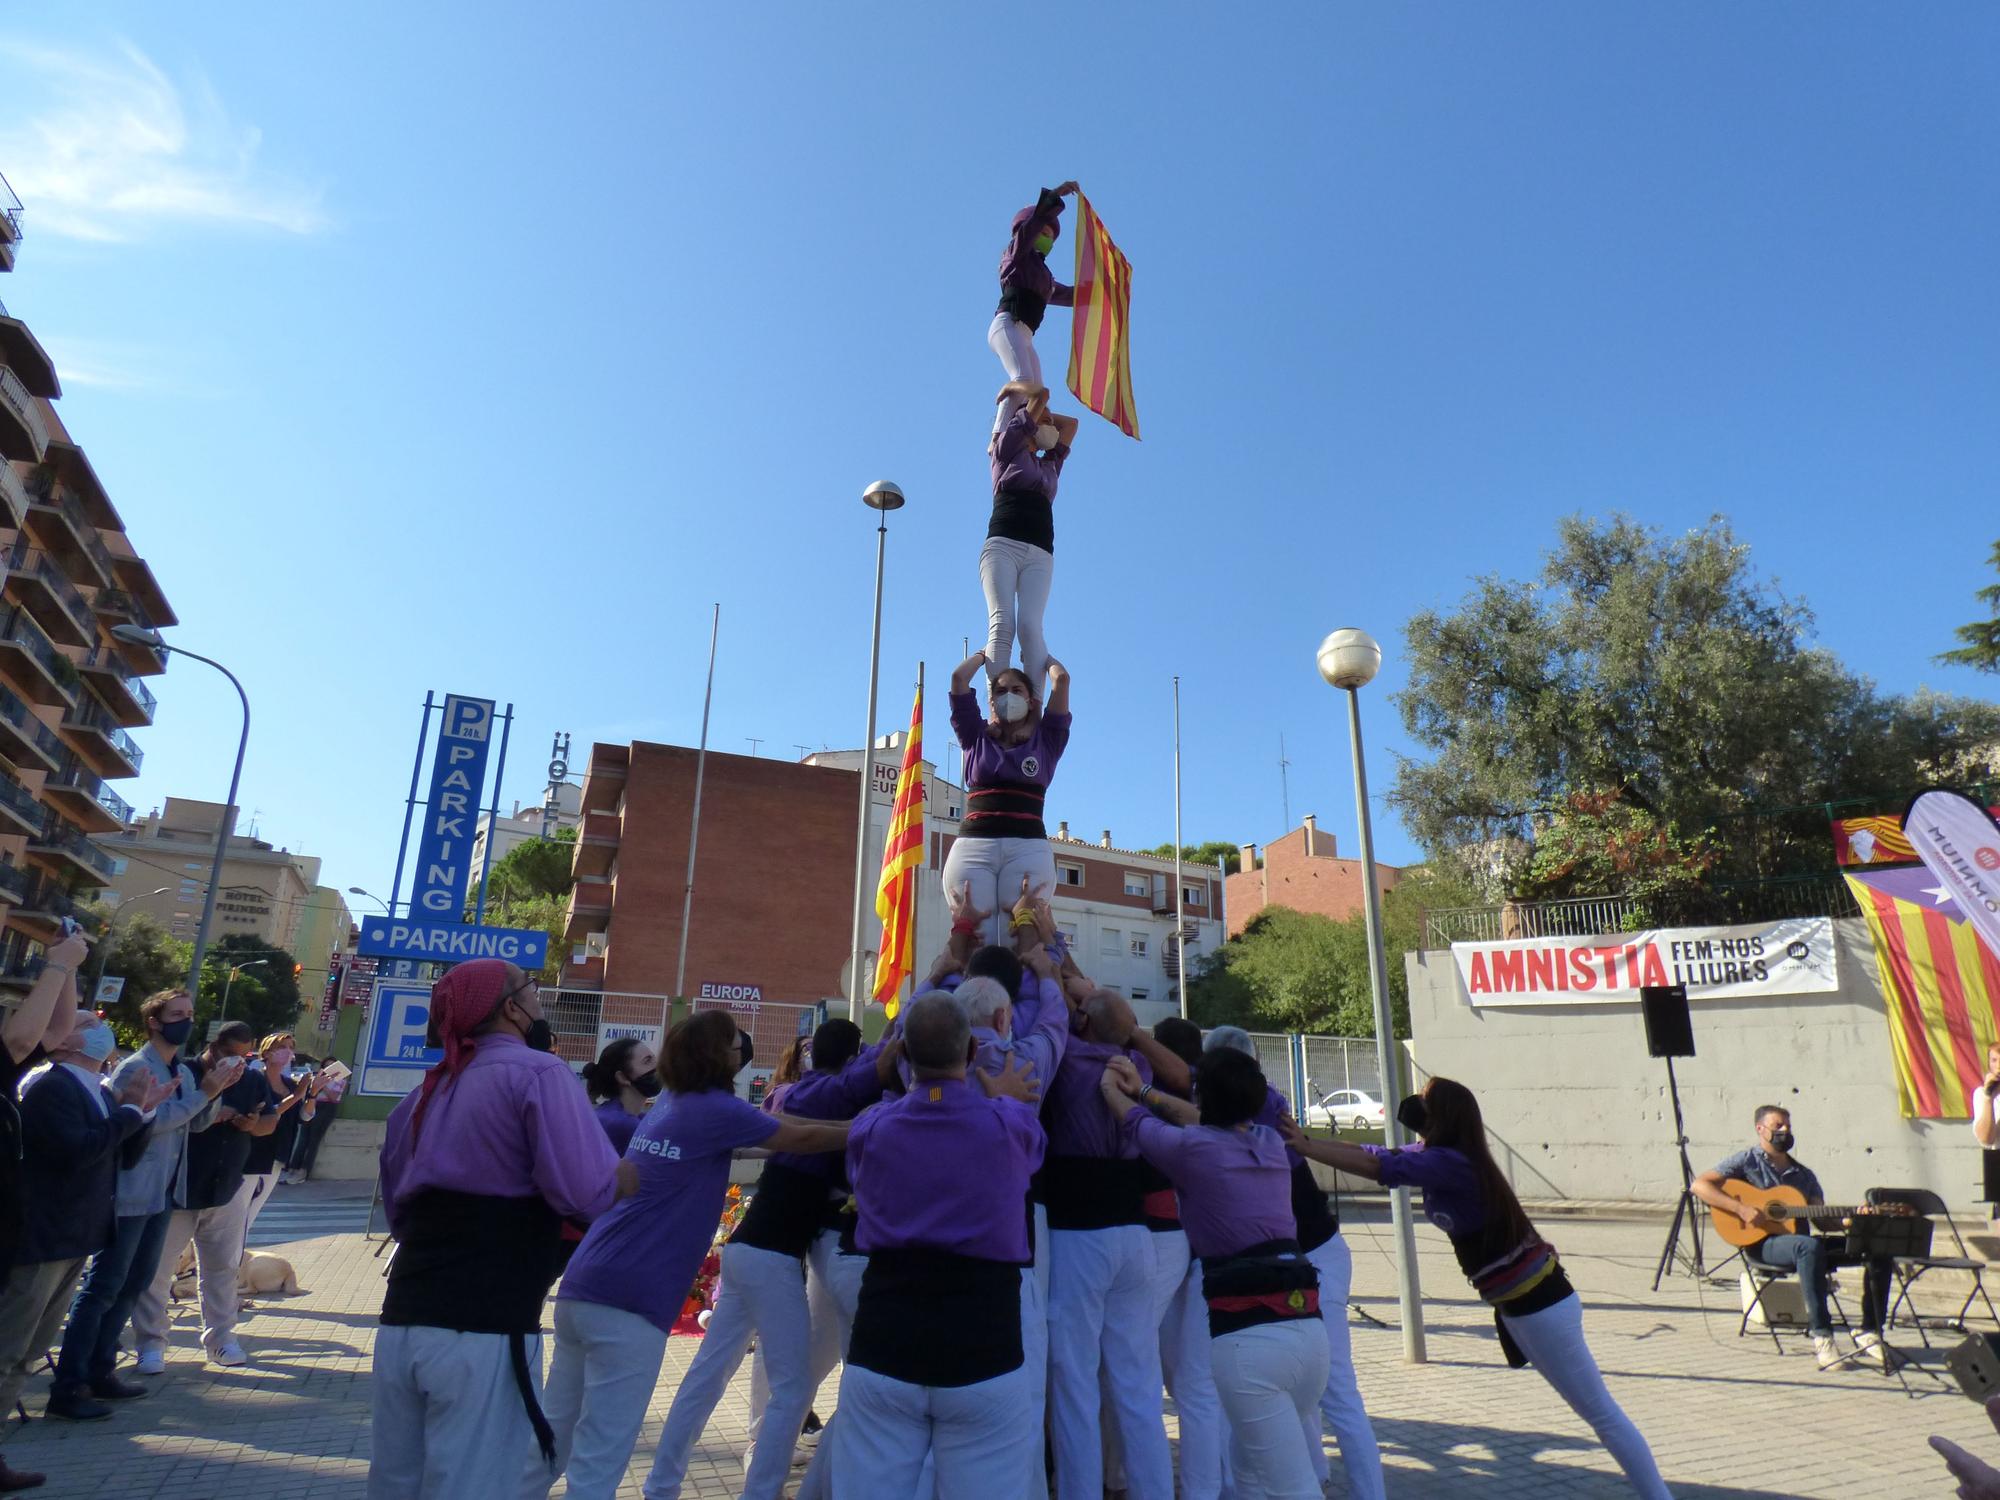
x: 943, y: 1167
x: 516, y: 1122
x: 1023, y: 268
x: 1016, y: 464
x: 1037, y: 1033
x: 838, y: 1095
x: 642, y: 1256
x: 1073, y: 1104
x: 618, y: 1123
x: 1235, y: 1186
x: 1452, y: 1199
x: 1032, y: 762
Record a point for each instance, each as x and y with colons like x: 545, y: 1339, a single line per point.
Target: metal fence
x: 577, y: 1016
x: 771, y: 1025
x: 1715, y: 903
x: 1342, y: 1062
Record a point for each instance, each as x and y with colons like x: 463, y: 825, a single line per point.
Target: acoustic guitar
x: 1787, y: 1207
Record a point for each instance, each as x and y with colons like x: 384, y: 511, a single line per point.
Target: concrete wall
x: 1576, y: 1109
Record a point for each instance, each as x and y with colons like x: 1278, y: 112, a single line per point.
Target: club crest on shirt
x: 1443, y: 1222
x: 1031, y: 765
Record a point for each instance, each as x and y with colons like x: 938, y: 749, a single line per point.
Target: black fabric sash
x: 787, y: 1211
x: 1095, y: 1192
x: 928, y: 1317
x: 1004, y: 810
x: 1021, y: 515
x: 1259, y: 1285
x: 1312, y: 1208
x: 1024, y: 306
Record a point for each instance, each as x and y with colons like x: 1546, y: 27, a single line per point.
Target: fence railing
x: 581, y: 1017
x: 1716, y: 903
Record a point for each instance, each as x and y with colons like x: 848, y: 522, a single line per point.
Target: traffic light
x: 297, y: 970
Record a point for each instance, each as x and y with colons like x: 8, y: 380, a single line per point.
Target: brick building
x: 774, y: 880
x: 1301, y: 871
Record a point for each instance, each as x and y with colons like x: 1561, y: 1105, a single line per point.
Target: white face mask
x: 1012, y: 707
x: 97, y: 1043
x: 1046, y: 437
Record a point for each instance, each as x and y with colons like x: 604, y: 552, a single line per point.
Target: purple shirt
x: 1276, y: 1107
x: 838, y: 1095
x: 943, y: 1167
x: 1452, y: 1199
x: 1016, y: 464
x: 1073, y: 1105
x: 642, y: 1256
x: 1037, y: 1032
x: 516, y: 1122
x: 1023, y: 268
x: 618, y: 1122
x: 987, y: 761
x: 1235, y: 1186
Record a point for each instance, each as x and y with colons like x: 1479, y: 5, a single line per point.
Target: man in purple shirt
x: 935, y: 1367
x: 479, y: 1168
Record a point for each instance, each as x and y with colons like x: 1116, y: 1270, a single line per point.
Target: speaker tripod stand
x: 1688, y: 1212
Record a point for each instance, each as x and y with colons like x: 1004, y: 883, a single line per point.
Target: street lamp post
x: 235, y: 969
x: 1349, y: 659
x: 110, y: 935
x: 880, y: 497
x: 387, y: 910
x: 140, y: 635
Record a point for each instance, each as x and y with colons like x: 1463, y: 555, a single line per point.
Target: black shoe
x: 111, y: 1388
x: 75, y: 1406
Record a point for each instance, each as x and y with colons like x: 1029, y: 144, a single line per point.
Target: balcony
x: 127, y: 698
x: 13, y: 496
x: 22, y: 353
x: 21, y: 812
x: 39, y: 586
x: 81, y: 481
x: 24, y: 739
x: 135, y: 575
x: 586, y: 974
x: 109, y: 750
x: 15, y: 883
x: 41, y: 673
x: 83, y: 796
x: 10, y: 227
x: 63, y: 849
x: 57, y: 523
x: 24, y: 432
x: 589, y: 908
x: 596, y: 844
x: 20, y: 960
x: 604, y: 778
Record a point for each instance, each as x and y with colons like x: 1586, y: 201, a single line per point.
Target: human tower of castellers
x: 1011, y: 1222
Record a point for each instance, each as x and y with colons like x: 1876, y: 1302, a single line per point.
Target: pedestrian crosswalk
x: 306, y: 1219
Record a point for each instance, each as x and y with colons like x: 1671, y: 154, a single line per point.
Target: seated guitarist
x: 1769, y: 1164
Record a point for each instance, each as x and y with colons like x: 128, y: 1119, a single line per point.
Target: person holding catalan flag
x: 1027, y: 287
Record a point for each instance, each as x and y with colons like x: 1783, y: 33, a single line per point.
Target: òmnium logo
x: 1798, y: 952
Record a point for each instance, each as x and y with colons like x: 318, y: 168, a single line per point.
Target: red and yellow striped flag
x: 902, y: 857
x: 1942, y: 986
x: 1100, y: 345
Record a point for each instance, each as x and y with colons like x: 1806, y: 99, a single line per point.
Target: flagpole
x: 694, y: 823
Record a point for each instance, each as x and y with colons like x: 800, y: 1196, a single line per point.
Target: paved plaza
x: 1726, y: 1417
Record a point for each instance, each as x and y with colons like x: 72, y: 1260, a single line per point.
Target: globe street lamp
x: 355, y: 890
x: 1349, y: 659
x: 139, y: 635
x: 880, y: 497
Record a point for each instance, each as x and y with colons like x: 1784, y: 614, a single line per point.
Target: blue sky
x: 451, y: 347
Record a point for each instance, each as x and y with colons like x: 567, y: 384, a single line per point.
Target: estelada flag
x: 902, y: 857
x: 1100, y: 345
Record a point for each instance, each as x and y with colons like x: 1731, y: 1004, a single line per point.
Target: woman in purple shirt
x: 623, y: 1083
x: 1267, y: 1345
x: 1509, y: 1264
x: 1002, y: 848
x: 1017, y: 563
x: 626, y: 1284
x: 1027, y: 287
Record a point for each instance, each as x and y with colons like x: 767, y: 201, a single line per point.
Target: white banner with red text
x: 1790, y: 957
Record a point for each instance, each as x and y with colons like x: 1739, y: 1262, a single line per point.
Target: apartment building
x: 774, y: 880
x: 69, y: 691
x: 1303, y: 871
x: 525, y: 823
x: 266, y: 892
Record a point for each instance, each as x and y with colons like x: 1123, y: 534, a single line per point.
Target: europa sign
x: 733, y: 994
x: 1791, y: 957
x: 444, y: 850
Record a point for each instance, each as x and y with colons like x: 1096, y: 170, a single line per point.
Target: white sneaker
x: 1829, y: 1356
x: 1870, y: 1348
x: 151, y: 1362
x: 808, y: 1446
x: 230, y: 1353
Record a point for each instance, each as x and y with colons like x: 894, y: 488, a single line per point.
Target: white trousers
x: 995, y: 868
x: 1103, y: 1315
x: 1190, y: 1376
x: 447, y: 1422
x: 1014, y: 342
x: 1553, y: 1341
x: 1270, y: 1378
x: 972, y: 1432
x: 841, y: 1275
x: 1016, y: 578
x: 218, y: 1249
x: 763, y: 1293
x: 1035, y: 1357
x: 1340, y: 1409
x: 260, y: 1189
x: 600, y: 1382
x: 829, y: 1336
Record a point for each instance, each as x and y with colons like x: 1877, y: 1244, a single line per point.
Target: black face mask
x: 746, y: 1050
x: 1412, y: 1115
x: 176, y: 1032
x: 647, y: 1084
x: 1781, y: 1140
x: 541, y: 1036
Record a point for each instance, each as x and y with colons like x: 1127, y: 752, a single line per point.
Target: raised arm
x: 808, y: 1137
x: 1058, y: 694
x: 52, y: 994
x: 1337, y: 1154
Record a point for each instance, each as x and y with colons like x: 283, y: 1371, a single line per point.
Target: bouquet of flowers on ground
x: 708, y: 1280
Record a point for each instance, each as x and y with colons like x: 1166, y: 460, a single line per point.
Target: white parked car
x: 1345, y: 1109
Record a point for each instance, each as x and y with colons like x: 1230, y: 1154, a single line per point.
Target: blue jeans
x: 117, y: 1275
x: 1813, y: 1256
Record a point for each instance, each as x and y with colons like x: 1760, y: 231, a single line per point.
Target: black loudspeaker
x: 1975, y: 1364
x: 1989, y: 1163
x: 1669, y: 1030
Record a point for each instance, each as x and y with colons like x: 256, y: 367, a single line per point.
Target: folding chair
x: 1765, y: 1277
x: 1909, y: 1269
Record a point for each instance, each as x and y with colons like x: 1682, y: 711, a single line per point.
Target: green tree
x: 1230, y: 854
x: 1661, y: 672
x: 539, y: 867
x: 548, y: 914
x: 264, y: 994
x: 148, y: 960
x: 1981, y: 650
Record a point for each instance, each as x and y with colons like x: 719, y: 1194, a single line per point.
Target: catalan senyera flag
x: 902, y: 857
x: 1942, y: 984
x: 1100, y: 345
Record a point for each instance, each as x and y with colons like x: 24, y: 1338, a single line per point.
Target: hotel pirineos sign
x: 1790, y: 957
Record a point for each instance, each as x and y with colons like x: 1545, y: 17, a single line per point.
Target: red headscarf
x: 461, y: 1002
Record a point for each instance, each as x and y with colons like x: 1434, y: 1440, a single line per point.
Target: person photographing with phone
x: 1986, y: 1103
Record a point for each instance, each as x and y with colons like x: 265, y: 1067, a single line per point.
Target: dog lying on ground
x: 259, y: 1275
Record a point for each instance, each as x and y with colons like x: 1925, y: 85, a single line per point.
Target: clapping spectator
x: 286, y: 1101
x: 41, y: 1018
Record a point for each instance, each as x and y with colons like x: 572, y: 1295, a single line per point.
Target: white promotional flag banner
x: 1959, y: 842
x: 1791, y: 957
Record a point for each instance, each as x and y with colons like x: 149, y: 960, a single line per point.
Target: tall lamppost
x: 235, y: 969
x: 880, y: 497
x: 110, y: 935
x: 355, y: 890
x: 139, y: 635
x: 1349, y: 659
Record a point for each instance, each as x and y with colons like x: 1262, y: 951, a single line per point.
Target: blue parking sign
x: 394, y: 1052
